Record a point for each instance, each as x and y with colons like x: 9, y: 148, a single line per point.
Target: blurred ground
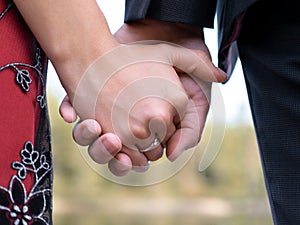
x: 231, y: 188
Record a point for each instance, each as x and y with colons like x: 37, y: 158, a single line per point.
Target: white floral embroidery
x: 17, y: 206
x: 23, y: 76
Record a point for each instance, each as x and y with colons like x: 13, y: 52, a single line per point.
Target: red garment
x: 25, y: 160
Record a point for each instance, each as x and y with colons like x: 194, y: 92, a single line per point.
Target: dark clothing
x: 269, y: 47
x: 267, y: 34
x: 191, y: 12
x: 197, y: 12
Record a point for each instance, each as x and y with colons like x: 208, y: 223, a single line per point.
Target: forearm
x: 73, y: 33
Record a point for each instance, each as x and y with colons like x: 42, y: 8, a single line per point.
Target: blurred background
x: 230, y: 192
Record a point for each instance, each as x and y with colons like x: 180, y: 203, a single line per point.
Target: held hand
x: 107, y: 148
x: 131, y: 97
x: 197, y: 88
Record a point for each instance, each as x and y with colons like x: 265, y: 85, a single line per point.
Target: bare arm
x: 73, y: 33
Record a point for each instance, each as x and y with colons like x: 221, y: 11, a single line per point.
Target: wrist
x: 73, y: 61
x: 150, y: 29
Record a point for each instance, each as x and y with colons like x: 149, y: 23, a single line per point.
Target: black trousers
x: 269, y: 48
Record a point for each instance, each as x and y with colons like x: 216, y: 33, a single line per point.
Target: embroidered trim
x: 9, y: 4
x: 17, y: 206
x: 23, y: 76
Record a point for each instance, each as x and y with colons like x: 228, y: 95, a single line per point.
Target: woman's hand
x: 188, y: 130
x: 141, y: 102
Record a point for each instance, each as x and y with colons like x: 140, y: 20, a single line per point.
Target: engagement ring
x: 154, y: 144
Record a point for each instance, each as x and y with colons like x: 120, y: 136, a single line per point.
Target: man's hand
x: 107, y: 147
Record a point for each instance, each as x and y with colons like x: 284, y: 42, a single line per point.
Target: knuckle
x: 160, y: 114
x: 139, y: 131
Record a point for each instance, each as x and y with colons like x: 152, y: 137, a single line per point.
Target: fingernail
x: 141, y: 169
x: 225, y: 76
x: 112, y: 142
x: 173, y: 157
x: 87, y: 132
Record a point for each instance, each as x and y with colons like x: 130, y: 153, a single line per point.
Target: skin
x: 188, y: 131
x: 74, y: 34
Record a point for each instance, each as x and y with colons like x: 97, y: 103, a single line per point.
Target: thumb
x: 67, y: 111
x: 194, y: 62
